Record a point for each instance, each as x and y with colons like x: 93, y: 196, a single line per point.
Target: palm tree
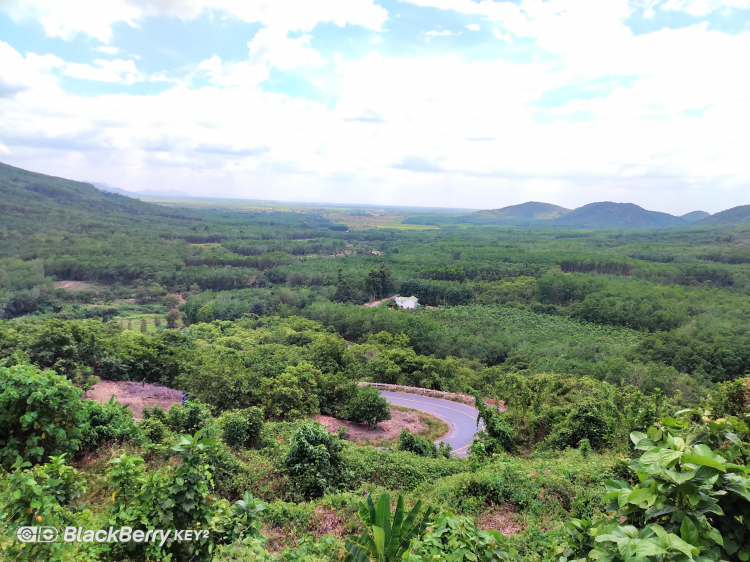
x: 383, y: 540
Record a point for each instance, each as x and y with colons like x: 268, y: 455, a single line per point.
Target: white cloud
x: 96, y: 17
x: 273, y: 47
x: 703, y: 7
x: 504, y: 36
x: 115, y: 71
x: 108, y: 49
x: 66, y: 19
x: 472, y: 27
x: 422, y: 113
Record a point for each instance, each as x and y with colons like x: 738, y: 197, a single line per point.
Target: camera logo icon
x: 37, y: 534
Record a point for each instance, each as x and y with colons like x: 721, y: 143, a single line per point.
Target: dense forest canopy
x: 592, y: 339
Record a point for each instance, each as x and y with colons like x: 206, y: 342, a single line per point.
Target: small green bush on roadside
x: 417, y: 445
x: 368, y: 406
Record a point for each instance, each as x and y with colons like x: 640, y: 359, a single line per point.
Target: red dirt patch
x: 328, y: 522
x: 387, y: 430
x: 135, y: 395
x: 503, y: 518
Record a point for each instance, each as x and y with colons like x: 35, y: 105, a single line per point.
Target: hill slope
x: 695, y: 216
x: 616, y: 215
x: 29, y: 200
x: 529, y: 210
x: 734, y: 215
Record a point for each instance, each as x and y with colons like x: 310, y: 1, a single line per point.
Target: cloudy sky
x: 458, y: 103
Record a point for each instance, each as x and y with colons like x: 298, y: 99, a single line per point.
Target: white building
x: 407, y: 302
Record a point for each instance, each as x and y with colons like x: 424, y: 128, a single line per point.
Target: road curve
x: 461, y: 417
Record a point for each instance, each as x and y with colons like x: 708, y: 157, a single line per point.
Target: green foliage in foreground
x: 691, y: 500
x: 39, y: 415
x: 386, y: 540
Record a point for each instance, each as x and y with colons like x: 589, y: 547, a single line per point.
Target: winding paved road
x: 461, y: 417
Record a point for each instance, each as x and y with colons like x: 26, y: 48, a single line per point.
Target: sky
x: 443, y: 103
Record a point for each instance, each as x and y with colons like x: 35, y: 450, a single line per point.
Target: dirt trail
x: 377, y: 303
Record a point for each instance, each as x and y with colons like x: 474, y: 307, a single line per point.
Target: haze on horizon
x: 428, y: 103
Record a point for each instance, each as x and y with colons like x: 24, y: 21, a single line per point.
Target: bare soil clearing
x: 503, y: 518
x: 134, y: 395
x: 72, y: 285
x: 389, y: 430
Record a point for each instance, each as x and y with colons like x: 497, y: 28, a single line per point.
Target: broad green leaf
x: 637, y: 497
x: 668, y: 457
x: 716, y: 536
x: 637, y: 436
x: 703, y: 461
x: 680, y: 477
x: 378, y: 536
x: 689, y: 531
x: 654, y: 434
x: 649, y: 547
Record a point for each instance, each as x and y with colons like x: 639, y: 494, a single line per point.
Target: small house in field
x: 407, y: 302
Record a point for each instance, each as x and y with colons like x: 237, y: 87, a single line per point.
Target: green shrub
x: 585, y: 421
x: 445, y: 450
x: 153, y: 429
x: 450, y: 534
x: 40, y: 415
x: 315, y: 463
x: 170, y: 498
x: 193, y: 416
x: 417, y: 445
x: 498, y: 435
x: 691, y: 496
x: 103, y: 422
x: 44, y: 495
x: 241, y: 428
x: 368, y: 406
x: 397, y: 470
x: 154, y: 413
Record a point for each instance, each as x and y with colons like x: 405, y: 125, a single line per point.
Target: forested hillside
x: 621, y: 357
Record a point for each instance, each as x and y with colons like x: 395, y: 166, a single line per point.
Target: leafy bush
x: 40, y: 415
x: 368, y: 406
x: 292, y: 394
x: 165, y: 499
x: 691, y: 499
x: 586, y: 421
x: 110, y: 421
x: 153, y: 429
x: 241, y: 428
x: 43, y: 495
x: 314, y: 461
x: 498, y: 435
x: 417, y: 445
x: 451, y: 536
x: 193, y: 416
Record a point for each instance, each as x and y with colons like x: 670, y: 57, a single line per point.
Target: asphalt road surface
x: 461, y: 417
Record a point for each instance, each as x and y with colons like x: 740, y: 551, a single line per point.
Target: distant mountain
x: 695, y: 216
x: 101, y: 186
x: 734, y: 215
x: 616, y: 215
x: 530, y: 210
